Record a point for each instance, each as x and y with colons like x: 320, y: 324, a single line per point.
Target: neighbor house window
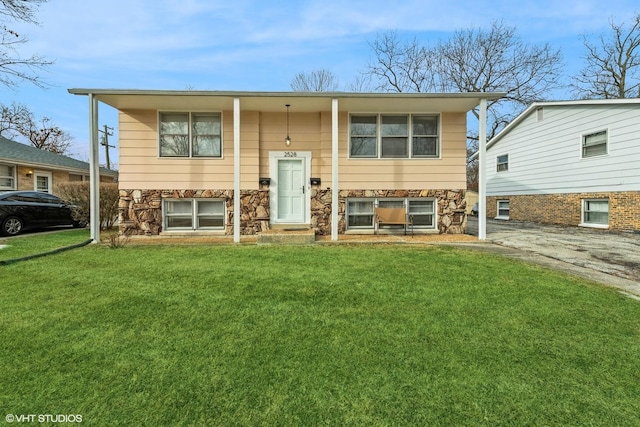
x: 503, y: 209
x: 360, y: 212
x: 594, y: 144
x: 194, y: 214
x: 502, y: 163
x: 190, y: 134
x: 394, y: 136
x: 7, y: 177
x: 595, y: 212
x: 74, y: 177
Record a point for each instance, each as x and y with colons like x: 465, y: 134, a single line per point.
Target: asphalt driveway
x: 606, y: 257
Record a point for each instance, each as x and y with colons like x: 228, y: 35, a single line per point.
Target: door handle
x: 303, y: 189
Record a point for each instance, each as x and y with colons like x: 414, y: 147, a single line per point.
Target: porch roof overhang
x: 136, y: 99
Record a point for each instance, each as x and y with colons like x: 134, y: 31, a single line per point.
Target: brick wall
x: 566, y: 209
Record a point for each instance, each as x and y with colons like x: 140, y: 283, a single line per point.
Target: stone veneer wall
x: 140, y: 211
x: 566, y: 209
x: 451, y: 207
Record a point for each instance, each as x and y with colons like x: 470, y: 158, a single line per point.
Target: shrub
x: 79, y: 195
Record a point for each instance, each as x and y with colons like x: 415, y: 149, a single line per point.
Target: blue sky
x: 259, y: 45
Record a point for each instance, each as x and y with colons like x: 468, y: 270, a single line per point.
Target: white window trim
x: 190, y: 113
x: 358, y: 227
x: 592, y: 224
x: 410, y: 155
x: 13, y: 177
x: 606, y: 144
x: 498, y: 216
x: 503, y: 163
x: 194, y: 217
x: 405, y: 203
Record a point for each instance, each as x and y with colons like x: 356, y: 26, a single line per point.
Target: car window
x: 28, y: 198
x: 49, y: 198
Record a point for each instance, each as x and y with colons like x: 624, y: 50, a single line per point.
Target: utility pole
x: 105, y: 142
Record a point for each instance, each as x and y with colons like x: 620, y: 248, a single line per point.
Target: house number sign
x: 290, y: 154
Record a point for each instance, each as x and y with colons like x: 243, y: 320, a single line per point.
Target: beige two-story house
x: 239, y: 163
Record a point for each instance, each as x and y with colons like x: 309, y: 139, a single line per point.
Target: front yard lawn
x: 313, y: 335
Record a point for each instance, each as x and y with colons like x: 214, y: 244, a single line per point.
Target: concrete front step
x: 287, y: 236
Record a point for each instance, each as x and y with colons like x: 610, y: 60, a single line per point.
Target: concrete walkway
x: 605, y: 257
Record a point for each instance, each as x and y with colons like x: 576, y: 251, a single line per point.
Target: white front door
x: 289, y: 192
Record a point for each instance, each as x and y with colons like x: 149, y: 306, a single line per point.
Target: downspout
x: 236, y: 170
x: 334, y: 169
x: 94, y: 170
x: 482, y: 160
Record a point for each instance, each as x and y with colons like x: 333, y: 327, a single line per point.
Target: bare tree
x: 401, y: 66
x: 473, y: 60
x: 320, y: 80
x: 361, y: 83
x: 13, y: 117
x: 45, y: 136
x: 13, y: 67
x: 612, y: 65
x: 17, y: 119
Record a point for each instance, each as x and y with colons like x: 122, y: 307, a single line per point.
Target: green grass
x: 33, y: 244
x: 314, y: 335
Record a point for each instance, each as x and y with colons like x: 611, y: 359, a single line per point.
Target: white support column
x: 334, y: 169
x: 482, y: 162
x: 236, y: 170
x: 94, y: 170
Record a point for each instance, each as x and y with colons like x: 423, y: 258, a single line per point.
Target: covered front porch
x: 244, y: 175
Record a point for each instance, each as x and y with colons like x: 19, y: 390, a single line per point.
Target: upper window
x: 594, y: 144
x: 394, y: 136
x: 7, y: 177
x: 595, y: 213
x: 502, y: 163
x: 190, y: 135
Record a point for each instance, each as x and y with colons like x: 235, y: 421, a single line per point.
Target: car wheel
x: 11, y: 226
x: 79, y: 224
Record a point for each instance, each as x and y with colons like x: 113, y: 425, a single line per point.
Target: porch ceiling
x: 299, y: 101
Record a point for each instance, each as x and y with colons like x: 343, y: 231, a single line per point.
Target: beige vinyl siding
x: 448, y: 171
x: 304, y: 130
x: 262, y: 132
x: 142, y: 168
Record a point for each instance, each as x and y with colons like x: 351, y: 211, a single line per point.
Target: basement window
x: 193, y: 214
x: 595, y: 213
x: 503, y: 209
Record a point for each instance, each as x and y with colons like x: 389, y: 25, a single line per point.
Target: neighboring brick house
x: 23, y: 167
x: 569, y: 163
x: 189, y: 160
